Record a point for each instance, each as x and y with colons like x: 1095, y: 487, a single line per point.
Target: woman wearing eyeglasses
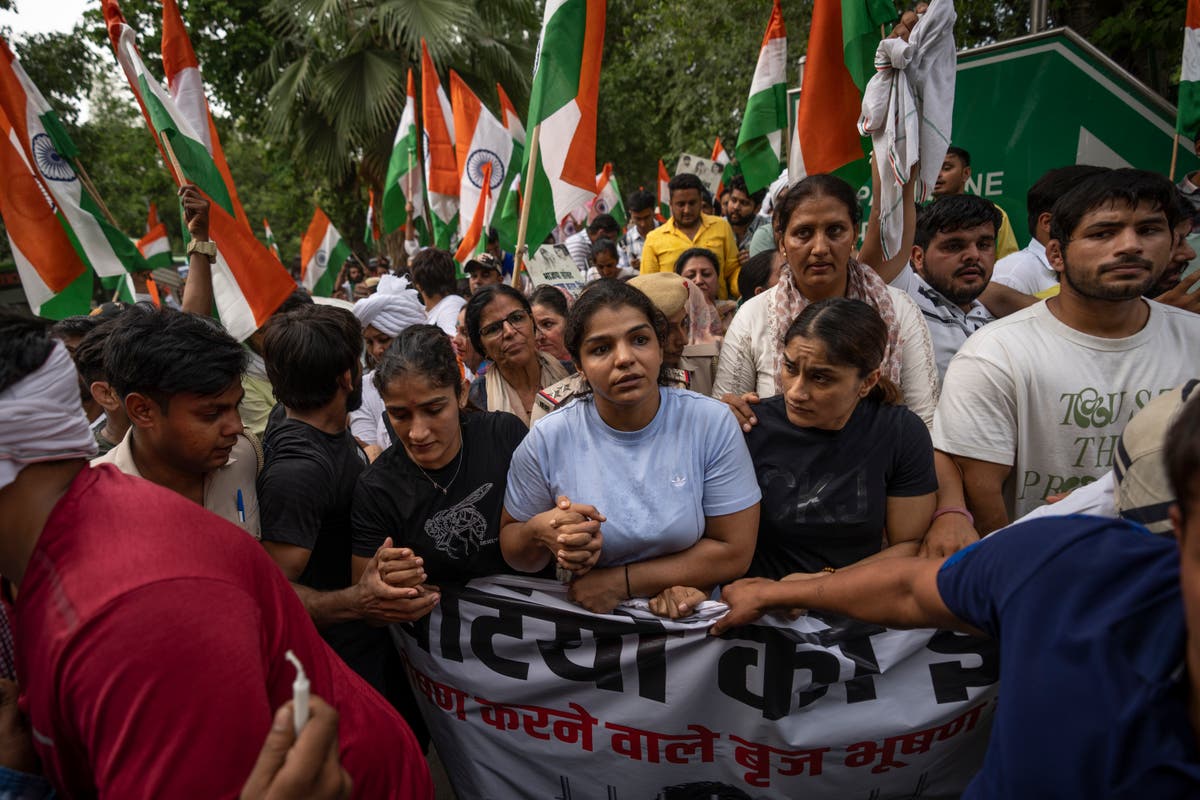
x: 500, y: 324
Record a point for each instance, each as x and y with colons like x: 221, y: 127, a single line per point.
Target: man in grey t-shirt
x: 953, y: 253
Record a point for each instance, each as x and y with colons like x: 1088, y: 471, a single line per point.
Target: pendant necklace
x: 445, y: 490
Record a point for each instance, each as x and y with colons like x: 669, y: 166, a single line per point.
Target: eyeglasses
x: 515, y: 319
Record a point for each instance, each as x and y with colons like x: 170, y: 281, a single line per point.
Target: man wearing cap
x: 483, y: 270
x: 382, y: 317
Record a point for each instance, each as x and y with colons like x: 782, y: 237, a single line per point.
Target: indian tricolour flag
x: 473, y: 239
x: 56, y: 281
x: 507, y: 216
x: 404, y: 183
x: 441, y: 167
x: 760, y: 142
x: 560, y: 172
x: 155, y: 245
x: 480, y: 139
x: 608, y: 197
x: 721, y: 157
x: 664, y: 193
x: 248, y: 284
x: 841, y: 51
x: 270, y: 237
x: 42, y: 139
x: 184, y: 81
x: 1188, y: 121
x: 322, y: 253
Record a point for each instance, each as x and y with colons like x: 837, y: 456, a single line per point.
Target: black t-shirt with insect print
x: 457, y: 533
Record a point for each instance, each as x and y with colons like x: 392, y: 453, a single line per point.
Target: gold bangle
x: 830, y: 570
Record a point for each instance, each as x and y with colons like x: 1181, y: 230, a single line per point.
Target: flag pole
x: 1174, y: 155
x: 526, y: 201
x: 86, y: 180
x: 172, y: 161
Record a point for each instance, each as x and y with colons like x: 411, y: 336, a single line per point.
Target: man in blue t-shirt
x: 1098, y: 622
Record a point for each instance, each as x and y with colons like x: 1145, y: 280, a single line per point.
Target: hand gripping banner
x: 527, y: 695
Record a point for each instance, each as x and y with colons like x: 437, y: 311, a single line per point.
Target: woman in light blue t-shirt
x: 634, y: 487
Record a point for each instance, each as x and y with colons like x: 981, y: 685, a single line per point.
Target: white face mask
x: 42, y: 419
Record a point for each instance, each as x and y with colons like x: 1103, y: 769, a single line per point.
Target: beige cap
x: 1143, y: 492
x: 666, y: 290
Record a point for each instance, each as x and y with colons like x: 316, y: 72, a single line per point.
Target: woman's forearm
x: 707, y: 563
x: 521, y: 549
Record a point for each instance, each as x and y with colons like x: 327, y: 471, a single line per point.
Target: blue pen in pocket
x: 241, y: 508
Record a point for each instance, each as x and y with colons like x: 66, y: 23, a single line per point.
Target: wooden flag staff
x: 526, y: 202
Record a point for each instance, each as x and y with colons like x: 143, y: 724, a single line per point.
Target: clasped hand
x: 571, y: 532
x: 392, y: 587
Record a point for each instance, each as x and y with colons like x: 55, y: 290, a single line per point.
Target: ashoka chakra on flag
x: 52, y: 165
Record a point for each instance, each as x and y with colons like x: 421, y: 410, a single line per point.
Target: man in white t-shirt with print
x: 1033, y: 404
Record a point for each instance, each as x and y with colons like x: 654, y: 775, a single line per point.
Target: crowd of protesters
x: 752, y: 408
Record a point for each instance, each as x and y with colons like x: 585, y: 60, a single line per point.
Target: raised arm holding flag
x: 247, y: 283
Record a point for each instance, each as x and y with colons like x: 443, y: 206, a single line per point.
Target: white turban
x: 390, y: 313
x: 41, y: 418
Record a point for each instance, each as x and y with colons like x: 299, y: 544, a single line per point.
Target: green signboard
x: 1028, y: 105
x: 1039, y: 102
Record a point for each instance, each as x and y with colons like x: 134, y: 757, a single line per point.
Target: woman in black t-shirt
x: 846, y: 472
x: 439, y: 489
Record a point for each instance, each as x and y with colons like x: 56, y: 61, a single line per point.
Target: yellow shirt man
x: 665, y: 243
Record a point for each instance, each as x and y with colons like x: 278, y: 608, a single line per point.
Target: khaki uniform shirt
x: 221, y: 486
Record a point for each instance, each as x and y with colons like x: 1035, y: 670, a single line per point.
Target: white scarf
x: 907, y: 110
x: 42, y: 419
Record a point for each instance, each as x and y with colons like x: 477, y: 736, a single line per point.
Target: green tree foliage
x: 338, y: 69
x: 308, y: 92
x: 676, y: 75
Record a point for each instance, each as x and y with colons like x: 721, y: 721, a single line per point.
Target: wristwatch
x: 203, y: 248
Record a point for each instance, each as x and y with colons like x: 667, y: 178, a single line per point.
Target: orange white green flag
x: 248, y: 283
x: 664, y: 193
x: 155, y: 245
x: 561, y: 176
x: 760, y: 142
x: 45, y: 146
x: 441, y: 167
x: 322, y: 253
x: 270, y: 237
x: 184, y: 81
x: 473, y: 239
x: 841, y: 47
x: 480, y: 141
x: 506, y: 218
x: 1188, y: 120
x: 404, y: 183
x: 57, y: 283
x: 608, y: 197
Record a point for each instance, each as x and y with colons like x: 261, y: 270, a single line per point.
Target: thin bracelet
x: 829, y: 570
x: 628, y: 591
x: 954, y: 510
